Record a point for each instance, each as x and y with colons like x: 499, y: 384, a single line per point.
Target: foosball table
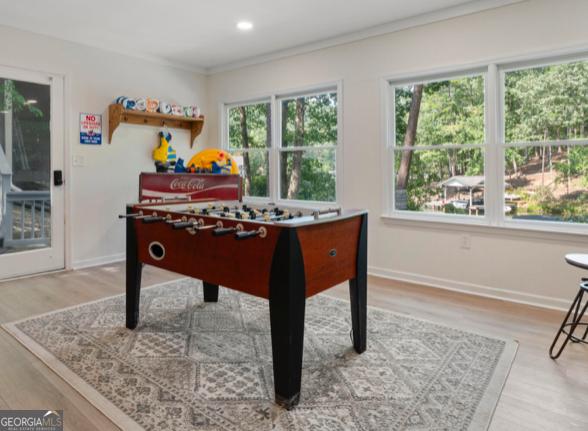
x: 282, y: 254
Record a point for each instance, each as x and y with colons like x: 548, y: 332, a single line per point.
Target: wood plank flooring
x: 540, y: 394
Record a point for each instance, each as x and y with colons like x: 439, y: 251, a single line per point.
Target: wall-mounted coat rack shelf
x: 117, y: 115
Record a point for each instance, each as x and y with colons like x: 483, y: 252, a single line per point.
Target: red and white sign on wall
x: 90, y: 129
x: 157, y: 186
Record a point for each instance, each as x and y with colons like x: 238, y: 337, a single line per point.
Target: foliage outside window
x: 308, y: 147
x: 546, y: 131
x: 538, y: 161
x: 439, y: 146
x: 249, y: 141
x: 305, y: 156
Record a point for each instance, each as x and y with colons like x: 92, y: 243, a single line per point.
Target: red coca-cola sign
x: 187, y: 184
x: 158, y: 186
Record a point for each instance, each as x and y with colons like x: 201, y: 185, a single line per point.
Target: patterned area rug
x: 192, y: 365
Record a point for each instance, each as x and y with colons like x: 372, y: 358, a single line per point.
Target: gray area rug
x: 192, y: 365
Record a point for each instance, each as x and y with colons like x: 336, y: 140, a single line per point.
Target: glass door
x: 31, y: 160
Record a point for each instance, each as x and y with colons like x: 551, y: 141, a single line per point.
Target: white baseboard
x: 441, y: 283
x: 473, y: 289
x: 97, y: 261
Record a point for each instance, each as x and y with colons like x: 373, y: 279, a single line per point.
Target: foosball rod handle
x: 183, y: 225
x: 221, y: 231
x: 247, y: 234
x: 129, y: 215
x: 153, y: 219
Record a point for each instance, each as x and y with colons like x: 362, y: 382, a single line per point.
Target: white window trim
x: 494, y: 147
x: 391, y: 147
x: 274, y: 151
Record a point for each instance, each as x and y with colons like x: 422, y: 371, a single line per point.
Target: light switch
x: 79, y: 161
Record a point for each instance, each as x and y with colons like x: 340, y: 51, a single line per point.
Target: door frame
x: 60, y: 91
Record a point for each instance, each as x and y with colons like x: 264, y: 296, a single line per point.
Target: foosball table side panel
x: 241, y: 265
x: 329, y: 251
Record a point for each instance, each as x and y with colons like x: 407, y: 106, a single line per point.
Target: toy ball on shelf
x: 179, y: 167
x: 214, y: 161
x: 164, y: 108
x: 164, y: 155
x: 126, y: 102
x: 152, y: 105
x: 188, y: 111
x: 129, y: 104
x: 177, y: 110
x: 140, y: 104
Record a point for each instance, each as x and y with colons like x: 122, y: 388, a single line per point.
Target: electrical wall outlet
x: 78, y: 161
x: 465, y: 242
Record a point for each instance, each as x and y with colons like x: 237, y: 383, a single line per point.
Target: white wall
x: 501, y: 263
x: 109, y: 179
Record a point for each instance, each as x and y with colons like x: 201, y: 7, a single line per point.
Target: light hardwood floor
x: 540, y: 394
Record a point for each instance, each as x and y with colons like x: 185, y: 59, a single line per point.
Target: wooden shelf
x: 117, y: 115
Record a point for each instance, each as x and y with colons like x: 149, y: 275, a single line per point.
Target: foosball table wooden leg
x: 133, y: 275
x: 287, y: 303
x: 358, y: 292
x: 210, y: 292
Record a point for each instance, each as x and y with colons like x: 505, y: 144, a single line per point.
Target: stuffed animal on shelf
x: 164, y: 155
x: 213, y: 161
x: 179, y: 167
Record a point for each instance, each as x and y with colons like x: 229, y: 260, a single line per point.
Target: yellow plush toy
x: 214, y: 161
x: 164, y: 155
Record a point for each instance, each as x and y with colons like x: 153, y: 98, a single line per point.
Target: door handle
x: 57, y: 178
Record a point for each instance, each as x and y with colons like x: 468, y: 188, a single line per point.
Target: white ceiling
x: 201, y: 34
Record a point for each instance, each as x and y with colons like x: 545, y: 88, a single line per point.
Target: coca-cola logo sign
x: 172, y: 186
x: 187, y: 184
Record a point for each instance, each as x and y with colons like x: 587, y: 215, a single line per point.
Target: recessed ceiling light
x: 244, y: 25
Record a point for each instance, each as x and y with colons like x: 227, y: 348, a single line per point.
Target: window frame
x: 503, y: 69
x: 276, y: 148
x: 494, y: 164
x: 391, y: 147
x: 226, y: 142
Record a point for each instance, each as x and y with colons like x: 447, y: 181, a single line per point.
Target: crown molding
x: 145, y: 57
x: 391, y: 27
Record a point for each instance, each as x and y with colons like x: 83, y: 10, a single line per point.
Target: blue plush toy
x: 179, y: 167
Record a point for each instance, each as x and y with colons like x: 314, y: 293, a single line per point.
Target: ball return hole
x: 156, y: 250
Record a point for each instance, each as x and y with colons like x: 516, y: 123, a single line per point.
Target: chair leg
x: 575, y: 321
x: 585, y: 334
x: 576, y: 312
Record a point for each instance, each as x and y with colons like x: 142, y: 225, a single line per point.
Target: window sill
x: 545, y: 231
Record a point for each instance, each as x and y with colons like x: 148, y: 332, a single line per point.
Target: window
x: 506, y: 145
x: 299, y: 163
x: 308, y: 145
x: 546, y: 152
x: 439, y: 146
x: 249, y: 142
